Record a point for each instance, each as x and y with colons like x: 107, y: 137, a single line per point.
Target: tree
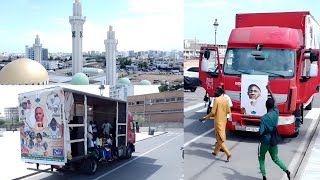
x: 139, y: 118
x: 163, y: 88
x: 2, y: 122
x: 140, y: 65
x: 145, y: 65
x: 50, y: 58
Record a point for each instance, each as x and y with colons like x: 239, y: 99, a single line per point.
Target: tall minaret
x: 37, y: 49
x: 77, y: 21
x: 111, y: 49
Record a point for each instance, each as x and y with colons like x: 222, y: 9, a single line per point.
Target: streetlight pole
x: 215, y: 25
x: 101, y: 88
x: 150, y: 103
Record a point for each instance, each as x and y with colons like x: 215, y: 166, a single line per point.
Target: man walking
x: 268, y: 122
x: 219, y: 111
x: 228, y: 116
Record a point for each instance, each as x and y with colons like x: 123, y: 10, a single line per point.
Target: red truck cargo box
x: 295, y: 20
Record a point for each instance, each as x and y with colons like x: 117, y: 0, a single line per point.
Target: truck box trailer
x: 56, y: 128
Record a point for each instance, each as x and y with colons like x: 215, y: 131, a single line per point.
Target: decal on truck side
x: 209, y: 83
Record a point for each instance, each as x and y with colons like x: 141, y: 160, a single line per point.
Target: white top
x: 224, y: 95
x: 258, y: 110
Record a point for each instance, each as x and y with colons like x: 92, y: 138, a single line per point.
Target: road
x: 200, y: 164
x: 155, y: 158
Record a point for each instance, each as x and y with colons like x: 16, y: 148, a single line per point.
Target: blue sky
x: 199, y: 15
x: 139, y: 24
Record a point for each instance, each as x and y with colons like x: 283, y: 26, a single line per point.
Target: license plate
x: 252, y: 129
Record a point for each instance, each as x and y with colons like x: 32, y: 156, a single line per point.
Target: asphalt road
x: 200, y: 164
x: 155, y: 158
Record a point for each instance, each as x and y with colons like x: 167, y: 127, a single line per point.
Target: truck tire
x: 129, y: 152
x: 309, y: 106
x: 90, y: 166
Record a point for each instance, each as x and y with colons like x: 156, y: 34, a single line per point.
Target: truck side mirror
x: 206, y: 54
x: 314, y: 56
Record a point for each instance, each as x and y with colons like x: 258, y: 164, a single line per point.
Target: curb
x: 302, y: 166
x: 152, y: 136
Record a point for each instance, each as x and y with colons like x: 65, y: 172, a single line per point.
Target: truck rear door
x: 121, y: 124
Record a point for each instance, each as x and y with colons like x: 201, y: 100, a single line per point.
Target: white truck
x: 54, y: 128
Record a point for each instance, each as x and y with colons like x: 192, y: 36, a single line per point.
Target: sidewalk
x: 310, y: 167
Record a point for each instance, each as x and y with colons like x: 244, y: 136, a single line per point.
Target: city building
x: 192, y: 49
x: 77, y: 21
x: 163, y: 109
x: 50, y: 65
x: 11, y: 113
x: 44, y: 54
x: 36, y: 52
x: 121, y: 91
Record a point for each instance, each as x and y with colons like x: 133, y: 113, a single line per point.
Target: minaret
x: 111, y: 49
x: 77, y: 21
x: 37, y: 49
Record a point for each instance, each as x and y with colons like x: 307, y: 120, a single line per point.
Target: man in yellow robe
x: 219, y: 111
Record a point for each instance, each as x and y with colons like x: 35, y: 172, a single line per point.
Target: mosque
x: 31, y: 72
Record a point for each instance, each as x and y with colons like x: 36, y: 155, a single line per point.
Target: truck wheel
x: 129, y: 152
x: 296, y: 133
x: 309, y: 107
x: 90, y: 166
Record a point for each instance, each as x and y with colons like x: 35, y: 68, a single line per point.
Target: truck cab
x: 260, y: 46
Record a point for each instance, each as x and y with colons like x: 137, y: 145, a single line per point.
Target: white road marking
x: 202, y: 110
x: 137, y: 158
x: 314, y: 114
x: 193, y: 107
x: 198, y: 137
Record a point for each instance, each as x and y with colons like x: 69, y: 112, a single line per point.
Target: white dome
x: 24, y: 71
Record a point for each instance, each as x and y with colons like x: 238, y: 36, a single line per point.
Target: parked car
x: 191, y: 83
x: 191, y: 72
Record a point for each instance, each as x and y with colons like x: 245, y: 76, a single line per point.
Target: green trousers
x: 273, y: 151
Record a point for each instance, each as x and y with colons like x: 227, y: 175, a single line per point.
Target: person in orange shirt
x: 219, y: 111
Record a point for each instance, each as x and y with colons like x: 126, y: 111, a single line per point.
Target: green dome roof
x: 145, y: 82
x: 80, y: 79
x: 125, y: 81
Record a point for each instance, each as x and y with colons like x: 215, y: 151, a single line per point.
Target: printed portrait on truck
x: 254, y: 94
x: 41, y: 129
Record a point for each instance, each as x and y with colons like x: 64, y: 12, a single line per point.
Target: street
x: 200, y: 164
x: 155, y: 158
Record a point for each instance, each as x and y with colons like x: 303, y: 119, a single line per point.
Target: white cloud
x: 218, y: 4
x: 3, y: 30
x: 154, y: 25
x: 35, y: 7
x: 150, y: 32
x: 160, y: 26
x: 155, y: 6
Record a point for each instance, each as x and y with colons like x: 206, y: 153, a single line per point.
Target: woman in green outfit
x: 268, y: 122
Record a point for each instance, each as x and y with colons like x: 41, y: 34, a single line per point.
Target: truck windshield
x: 275, y: 63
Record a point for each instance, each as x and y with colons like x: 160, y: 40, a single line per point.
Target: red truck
x: 282, y: 45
